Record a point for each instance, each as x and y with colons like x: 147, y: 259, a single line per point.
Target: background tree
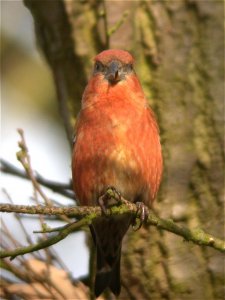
x: 179, y: 48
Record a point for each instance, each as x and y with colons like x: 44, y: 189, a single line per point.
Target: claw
x: 141, y: 214
x: 112, y: 193
x: 101, y: 203
x: 111, y: 197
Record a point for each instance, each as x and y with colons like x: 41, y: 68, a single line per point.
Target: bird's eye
x: 98, y: 67
x: 129, y: 68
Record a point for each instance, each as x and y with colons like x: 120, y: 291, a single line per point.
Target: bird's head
x: 113, y: 65
x: 113, y: 79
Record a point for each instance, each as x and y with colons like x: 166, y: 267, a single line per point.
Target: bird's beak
x: 113, y: 72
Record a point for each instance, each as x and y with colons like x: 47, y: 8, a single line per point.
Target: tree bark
x: 179, y: 48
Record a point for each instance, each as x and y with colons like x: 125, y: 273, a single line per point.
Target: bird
x: 116, y: 144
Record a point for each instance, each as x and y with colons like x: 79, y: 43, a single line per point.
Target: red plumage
x: 117, y: 144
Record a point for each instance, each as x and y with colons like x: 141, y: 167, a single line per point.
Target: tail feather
x: 115, y: 284
x: 107, y: 234
x: 107, y: 276
x: 102, y: 280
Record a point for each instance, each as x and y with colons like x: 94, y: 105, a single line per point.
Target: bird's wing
x: 75, y: 128
x: 152, y: 117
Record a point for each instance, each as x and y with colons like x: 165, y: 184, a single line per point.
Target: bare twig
x: 24, y: 157
x: 44, y: 243
x: 58, y: 260
x: 72, y: 211
x: 19, y: 219
x: 26, y: 273
x: 47, y: 229
x: 7, y: 234
x: 64, y: 189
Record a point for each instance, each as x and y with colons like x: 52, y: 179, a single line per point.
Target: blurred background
x: 28, y: 101
x: 47, y: 49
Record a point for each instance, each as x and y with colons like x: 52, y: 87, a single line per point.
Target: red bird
x: 116, y: 144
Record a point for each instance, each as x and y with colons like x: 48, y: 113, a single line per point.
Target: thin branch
x: 46, y: 229
x: 63, y: 97
x: 55, y: 38
x: 64, y: 189
x: 24, y: 157
x: 72, y: 211
x: 89, y: 213
x: 19, y: 219
x: 44, y: 243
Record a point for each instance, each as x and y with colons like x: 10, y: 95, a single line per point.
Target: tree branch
x: 55, y: 38
x: 44, y: 243
x: 88, y: 214
x: 64, y: 189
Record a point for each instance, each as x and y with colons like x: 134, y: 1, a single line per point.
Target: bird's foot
x: 110, y: 198
x: 141, y: 215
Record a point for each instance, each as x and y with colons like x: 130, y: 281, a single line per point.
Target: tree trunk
x: 179, y: 48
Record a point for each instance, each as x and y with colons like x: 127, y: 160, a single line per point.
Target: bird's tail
x: 107, y: 234
x: 107, y: 276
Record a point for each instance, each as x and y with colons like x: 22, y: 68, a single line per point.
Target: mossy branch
x: 86, y: 214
